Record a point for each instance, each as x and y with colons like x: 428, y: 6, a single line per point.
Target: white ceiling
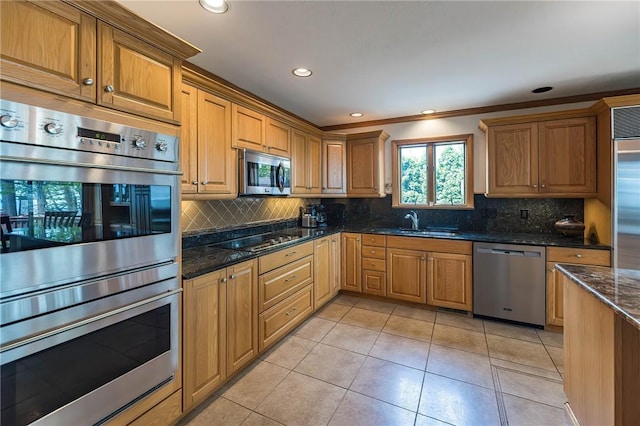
x: 395, y: 58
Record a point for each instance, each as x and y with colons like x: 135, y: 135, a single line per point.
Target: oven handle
x: 87, y: 321
x: 88, y: 165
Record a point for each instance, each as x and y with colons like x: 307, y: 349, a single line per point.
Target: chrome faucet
x: 414, y: 219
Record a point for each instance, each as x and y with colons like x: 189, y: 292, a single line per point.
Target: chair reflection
x: 59, y: 219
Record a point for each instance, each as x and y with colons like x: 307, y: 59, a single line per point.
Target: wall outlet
x: 524, y: 214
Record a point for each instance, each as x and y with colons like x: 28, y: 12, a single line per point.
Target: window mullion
x: 431, y: 181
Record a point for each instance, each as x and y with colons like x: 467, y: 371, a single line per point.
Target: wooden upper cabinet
x: 305, y: 163
x: 334, y: 166
x: 365, y: 164
x: 513, y: 159
x: 208, y: 162
x: 248, y: 129
x: 567, y: 156
x: 49, y: 46
x: 277, y: 138
x: 542, y: 157
x: 449, y: 281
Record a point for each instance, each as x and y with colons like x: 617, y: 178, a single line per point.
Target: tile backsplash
x: 221, y: 214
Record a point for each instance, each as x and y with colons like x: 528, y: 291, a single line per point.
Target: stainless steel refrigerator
x: 626, y: 202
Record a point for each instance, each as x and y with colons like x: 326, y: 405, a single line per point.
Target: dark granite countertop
x: 205, y: 258
x: 618, y: 288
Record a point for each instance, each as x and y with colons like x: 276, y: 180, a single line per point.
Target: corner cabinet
x: 305, y: 163
x: 90, y: 60
x: 208, y: 162
x: 365, y: 164
x: 555, y: 291
x: 541, y: 158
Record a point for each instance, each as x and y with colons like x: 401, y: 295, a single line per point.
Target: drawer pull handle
x: 579, y: 256
x: 291, y: 311
x: 293, y: 277
x: 290, y: 254
x: 373, y: 252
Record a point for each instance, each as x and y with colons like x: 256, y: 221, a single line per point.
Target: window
x: 433, y: 172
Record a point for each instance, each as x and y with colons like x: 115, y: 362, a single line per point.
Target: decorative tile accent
x: 219, y: 214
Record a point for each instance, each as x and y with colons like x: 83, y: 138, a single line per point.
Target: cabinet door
x: 314, y: 164
x: 277, y: 138
x: 299, y: 171
x: 189, y: 140
x: 363, y: 167
x: 217, y: 163
x: 449, y: 281
x: 322, y: 279
x: 204, y: 325
x: 407, y: 275
x: 334, y: 265
x: 248, y: 129
x: 567, y: 157
x: 374, y: 282
x: 136, y: 77
x: 242, y: 314
x: 555, y: 296
x: 512, y: 159
x: 334, y: 167
x: 49, y: 46
x: 351, y: 269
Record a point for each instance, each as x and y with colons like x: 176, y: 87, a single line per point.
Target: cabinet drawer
x: 579, y: 256
x: 373, y: 252
x: 276, y: 322
x: 284, y: 256
x: 281, y: 282
x: 374, y: 240
x: 374, y: 264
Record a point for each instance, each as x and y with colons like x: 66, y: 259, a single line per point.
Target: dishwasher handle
x: 520, y: 253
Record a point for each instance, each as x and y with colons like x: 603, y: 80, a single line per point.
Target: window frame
x: 429, y: 143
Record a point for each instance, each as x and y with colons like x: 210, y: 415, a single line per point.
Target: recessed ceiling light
x: 215, y: 6
x: 428, y: 111
x: 542, y: 89
x: 356, y: 114
x: 302, y: 72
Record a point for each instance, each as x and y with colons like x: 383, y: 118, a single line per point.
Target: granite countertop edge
x: 200, y: 260
x: 617, y: 288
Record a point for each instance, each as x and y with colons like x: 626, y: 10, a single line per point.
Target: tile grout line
x: 502, y: 411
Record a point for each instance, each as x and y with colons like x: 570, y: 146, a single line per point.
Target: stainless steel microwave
x: 264, y: 174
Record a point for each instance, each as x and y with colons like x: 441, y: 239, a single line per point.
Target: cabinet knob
x: 543, y: 186
x: 108, y: 88
x: 373, y: 252
x: 224, y: 280
x: 204, y: 182
x: 232, y: 277
x: 194, y: 182
x: 579, y: 256
x: 423, y: 258
x: 87, y: 82
x: 535, y: 185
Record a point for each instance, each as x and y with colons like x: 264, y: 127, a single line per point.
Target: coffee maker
x: 308, y: 217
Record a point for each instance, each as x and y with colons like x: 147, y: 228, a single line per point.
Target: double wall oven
x: 89, y: 288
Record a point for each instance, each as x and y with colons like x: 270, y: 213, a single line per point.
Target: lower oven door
x: 87, y: 369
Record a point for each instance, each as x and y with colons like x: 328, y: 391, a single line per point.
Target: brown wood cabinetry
x: 248, y: 128
x: 374, y: 266
x: 208, y: 162
x: 305, y: 163
x: 407, y: 274
x: 326, y: 277
x: 334, y: 164
x: 552, y: 155
x: 365, y: 164
x: 555, y: 290
x: 351, y: 266
x: 204, y: 328
x: 449, y: 278
x: 166, y: 412
x: 242, y: 313
x: 56, y: 47
x: 335, y: 271
x: 276, y: 322
x: 277, y: 137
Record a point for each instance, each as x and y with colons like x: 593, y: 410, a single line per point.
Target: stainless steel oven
x: 89, y: 288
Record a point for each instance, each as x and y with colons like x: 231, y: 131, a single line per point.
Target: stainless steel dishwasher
x: 509, y: 282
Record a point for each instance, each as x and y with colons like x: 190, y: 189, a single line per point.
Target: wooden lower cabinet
x: 323, y: 275
x: 276, y: 322
x: 555, y: 290
x: 242, y: 313
x: 374, y: 282
x: 351, y: 266
x: 162, y: 414
x: 336, y: 262
x: 407, y: 275
x: 449, y: 281
x: 204, y: 326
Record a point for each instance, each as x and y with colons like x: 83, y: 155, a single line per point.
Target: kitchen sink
x: 430, y: 232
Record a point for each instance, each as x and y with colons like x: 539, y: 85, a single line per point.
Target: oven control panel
x: 33, y: 125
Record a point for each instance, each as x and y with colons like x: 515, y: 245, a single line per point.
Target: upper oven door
x: 66, y: 220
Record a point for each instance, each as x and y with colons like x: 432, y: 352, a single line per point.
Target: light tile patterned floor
x: 364, y: 362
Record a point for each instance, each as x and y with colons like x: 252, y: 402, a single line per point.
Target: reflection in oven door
x: 82, y: 370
